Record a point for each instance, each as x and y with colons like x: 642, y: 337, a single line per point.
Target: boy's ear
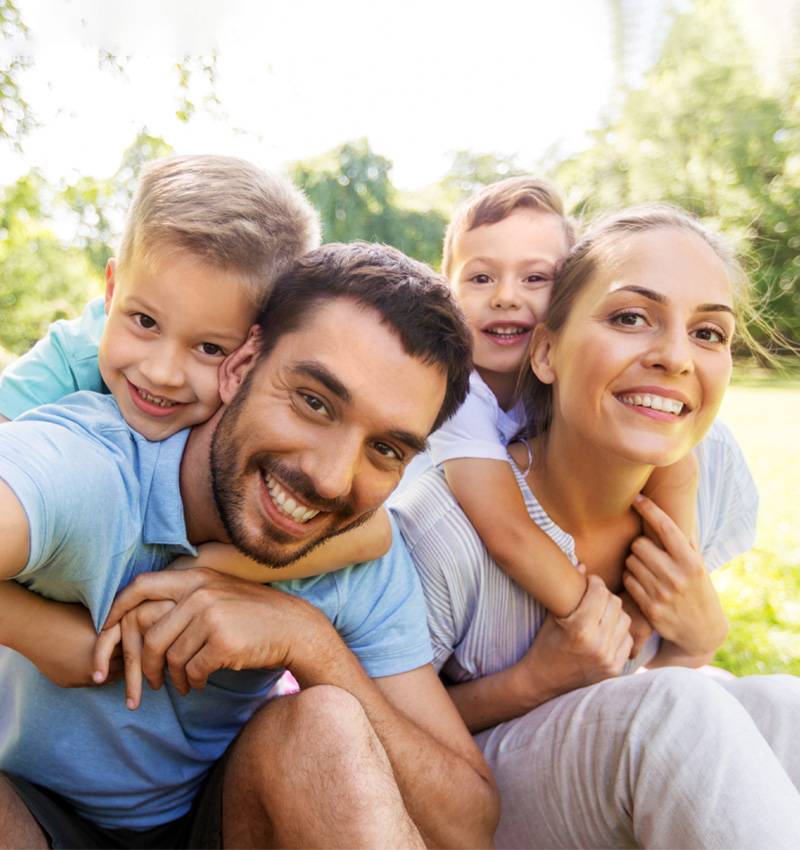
x: 238, y: 363
x: 111, y: 270
x: 542, y: 346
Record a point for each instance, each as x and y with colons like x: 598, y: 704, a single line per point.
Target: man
x: 361, y: 353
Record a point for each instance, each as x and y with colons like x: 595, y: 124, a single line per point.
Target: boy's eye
x: 480, y: 278
x: 144, y: 321
x: 538, y: 279
x: 211, y: 349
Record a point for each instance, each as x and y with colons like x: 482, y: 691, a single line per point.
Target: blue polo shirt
x: 60, y: 363
x: 103, y: 505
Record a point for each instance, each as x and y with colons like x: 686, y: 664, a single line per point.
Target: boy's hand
x: 66, y: 657
x: 126, y: 638
x: 640, y: 626
x: 671, y: 585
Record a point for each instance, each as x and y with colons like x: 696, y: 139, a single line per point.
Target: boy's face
x: 502, y: 275
x: 170, y: 324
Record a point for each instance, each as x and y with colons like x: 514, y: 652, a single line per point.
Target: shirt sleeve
x: 61, y: 363
x: 471, y: 432
x: 381, y: 614
x: 727, y: 499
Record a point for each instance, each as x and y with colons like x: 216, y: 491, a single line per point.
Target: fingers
x: 167, y: 584
x: 132, y: 655
x: 672, y: 538
x: 592, y: 607
x: 107, y: 642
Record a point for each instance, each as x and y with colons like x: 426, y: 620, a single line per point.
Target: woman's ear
x: 542, y: 345
x: 238, y: 363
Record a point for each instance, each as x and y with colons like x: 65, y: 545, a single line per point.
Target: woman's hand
x: 591, y: 644
x: 672, y: 586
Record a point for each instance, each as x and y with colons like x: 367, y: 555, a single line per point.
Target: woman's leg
x: 662, y: 759
x: 774, y: 704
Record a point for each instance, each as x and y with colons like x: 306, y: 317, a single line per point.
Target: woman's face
x: 642, y: 363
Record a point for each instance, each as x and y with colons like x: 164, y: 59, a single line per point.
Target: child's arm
x: 674, y: 489
x: 367, y: 542
x: 488, y: 494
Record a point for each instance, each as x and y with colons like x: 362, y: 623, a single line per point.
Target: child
x: 204, y: 240
x: 502, y: 252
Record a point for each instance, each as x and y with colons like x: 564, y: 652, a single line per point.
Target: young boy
x: 502, y: 251
x: 205, y: 238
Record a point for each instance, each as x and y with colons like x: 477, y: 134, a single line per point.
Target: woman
x: 627, y: 374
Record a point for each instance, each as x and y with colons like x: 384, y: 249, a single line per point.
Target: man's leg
x: 18, y: 827
x: 309, y: 771
x: 661, y: 759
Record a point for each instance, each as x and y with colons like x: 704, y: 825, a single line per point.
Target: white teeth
x: 154, y: 399
x: 655, y: 402
x: 286, y: 504
x: 507, y: 330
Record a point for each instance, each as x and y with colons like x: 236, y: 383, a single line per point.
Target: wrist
x: 529, y: 688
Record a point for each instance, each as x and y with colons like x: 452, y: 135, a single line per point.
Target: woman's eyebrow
x: 659, y: 298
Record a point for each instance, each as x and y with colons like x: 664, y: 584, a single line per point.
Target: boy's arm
x: 488, y: 494
x: 367, y: 542
x: 57, y: 637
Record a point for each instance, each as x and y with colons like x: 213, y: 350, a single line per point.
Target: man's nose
x: 332, y: 467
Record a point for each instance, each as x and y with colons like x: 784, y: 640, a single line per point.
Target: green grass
x: 761, y: 590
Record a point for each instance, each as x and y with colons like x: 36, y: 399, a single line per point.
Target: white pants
x: 666, y: 759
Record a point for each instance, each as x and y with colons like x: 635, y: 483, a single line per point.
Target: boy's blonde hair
x: 224, y: 211
x: 498, y: 201
x: 595, y: 249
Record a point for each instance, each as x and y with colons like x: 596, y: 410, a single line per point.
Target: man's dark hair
x: 410, y: 297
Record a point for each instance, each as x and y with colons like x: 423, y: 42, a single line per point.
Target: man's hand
x: 672, y: 586
x: 591, y: 644
x: 216, y: 622
x: 641, y: 629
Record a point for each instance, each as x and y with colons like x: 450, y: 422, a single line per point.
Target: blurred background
x: 388, y: 115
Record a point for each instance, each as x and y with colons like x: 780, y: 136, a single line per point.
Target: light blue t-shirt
x: 60, y: 363
x: 103, y: 505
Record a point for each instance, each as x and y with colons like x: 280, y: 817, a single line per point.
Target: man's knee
x: 18, y: 827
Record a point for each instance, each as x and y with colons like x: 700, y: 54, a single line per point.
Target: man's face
x: 320, y: 432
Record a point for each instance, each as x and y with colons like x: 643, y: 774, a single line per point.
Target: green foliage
x: 16, y: 116
x: 470, y: 171
x: 40, y: 279
x: 351, y: 188
x: 702, y: 132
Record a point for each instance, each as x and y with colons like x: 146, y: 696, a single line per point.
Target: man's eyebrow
x: 659, y: 298
x: 324, y: 376
x: 413, y: 441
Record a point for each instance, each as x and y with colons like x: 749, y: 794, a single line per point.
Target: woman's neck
x: 580, y: 486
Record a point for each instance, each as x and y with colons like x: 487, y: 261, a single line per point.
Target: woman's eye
x: 714, y: 335
x: 629, y: 320
x: 211, y: 349
x: 144, y: 321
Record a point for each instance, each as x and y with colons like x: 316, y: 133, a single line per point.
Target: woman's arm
x: 592, y: 644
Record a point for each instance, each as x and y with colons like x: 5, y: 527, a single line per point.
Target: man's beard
x: 274, y: 546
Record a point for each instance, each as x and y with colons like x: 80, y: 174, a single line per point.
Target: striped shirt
x: 480, y: 620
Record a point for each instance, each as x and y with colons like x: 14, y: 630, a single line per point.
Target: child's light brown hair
x: 224, y: 211
x: 498, y: 201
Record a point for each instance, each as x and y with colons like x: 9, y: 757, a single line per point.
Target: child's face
x: 171, y: 322
x: 502, y: 274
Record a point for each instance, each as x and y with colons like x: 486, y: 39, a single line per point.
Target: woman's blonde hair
x: 595, y: 248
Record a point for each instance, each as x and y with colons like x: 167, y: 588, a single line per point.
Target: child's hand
x: 126, y: 638
x: 640, y: 626
x: 66, y: 657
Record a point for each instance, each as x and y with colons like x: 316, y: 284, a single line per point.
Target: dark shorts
x: 201, y: 827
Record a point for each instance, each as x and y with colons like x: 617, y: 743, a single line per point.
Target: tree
x: 16, y: 116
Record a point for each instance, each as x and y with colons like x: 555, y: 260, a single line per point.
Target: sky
x: 418, y: 79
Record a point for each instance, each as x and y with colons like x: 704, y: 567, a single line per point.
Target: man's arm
x: 222, y: 622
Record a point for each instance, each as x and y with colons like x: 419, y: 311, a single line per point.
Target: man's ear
x: 542, y: 346
x: 238, y: 363
x: 111, y: 270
